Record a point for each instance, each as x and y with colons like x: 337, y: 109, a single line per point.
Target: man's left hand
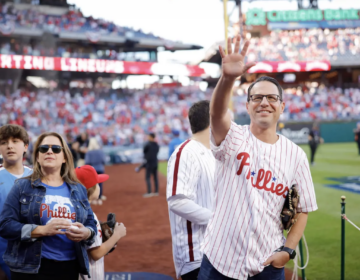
x: 278, y: 260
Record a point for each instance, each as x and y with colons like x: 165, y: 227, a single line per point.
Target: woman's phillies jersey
x: 190, y: 172
x: 252, y: 179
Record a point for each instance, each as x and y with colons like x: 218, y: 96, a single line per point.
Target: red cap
x: 88, y: 176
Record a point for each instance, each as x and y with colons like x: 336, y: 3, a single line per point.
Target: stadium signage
x: 260, y: 17
x: 297, y: 132
x: 97, y: 65
x: 290, y: 66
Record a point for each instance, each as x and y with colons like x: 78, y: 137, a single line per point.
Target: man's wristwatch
x: 290, y: 251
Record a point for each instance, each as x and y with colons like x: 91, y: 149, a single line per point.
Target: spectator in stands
x: 176, y: 141
x: 151, y: 151
x: 73, y: 146
x: 44, y: 246
x: 123, y: 119
x: 72, y: 21
x: 95, y: 157
x: 82, y: 142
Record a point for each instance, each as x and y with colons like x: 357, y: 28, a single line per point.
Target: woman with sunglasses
x: 47, y: 218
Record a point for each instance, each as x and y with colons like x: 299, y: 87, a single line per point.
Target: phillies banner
x: 97, y: 65
x: 290, y: 66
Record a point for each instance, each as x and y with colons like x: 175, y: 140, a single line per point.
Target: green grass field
x: 323, y: 229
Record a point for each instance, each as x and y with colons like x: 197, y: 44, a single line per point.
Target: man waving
x: 255, y: 168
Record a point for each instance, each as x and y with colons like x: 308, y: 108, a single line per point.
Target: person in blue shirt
x: 95, y: 157
x: 14, y: 142
x: 47, y: 218
x: 176, y: 141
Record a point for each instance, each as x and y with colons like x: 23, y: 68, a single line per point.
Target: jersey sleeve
x: 302, y: 177
x: 183, y: 174
x: 98, y: 237
x: 234, y: 138
x: 189, y: 210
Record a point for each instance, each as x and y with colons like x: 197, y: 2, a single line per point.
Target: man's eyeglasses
x: 55, y: 148
x: 257, y: 98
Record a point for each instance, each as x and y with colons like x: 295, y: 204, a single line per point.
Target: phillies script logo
x: 59, y: 211
x: 267, y: 176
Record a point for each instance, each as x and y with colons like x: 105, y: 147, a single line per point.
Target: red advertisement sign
x: 97, y: 65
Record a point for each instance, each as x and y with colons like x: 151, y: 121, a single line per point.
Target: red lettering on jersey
x: 267, y: 180
x: 259, y: 178
x: 243, y: 157
x: 278, y: 189
x: 55, y: 214
x: 60, y: 213
x: 283, y: 193
x: 248, y: 176
x: 272, y: 187
x: 100, y: 232
x: 50, y: 213
x: 43, y: 207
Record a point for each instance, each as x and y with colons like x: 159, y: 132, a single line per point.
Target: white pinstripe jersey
x: 97, y: 268
x: 190, y: 172
x: 251, y: 181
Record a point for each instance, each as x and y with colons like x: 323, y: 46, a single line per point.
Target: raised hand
x: 233, y: 65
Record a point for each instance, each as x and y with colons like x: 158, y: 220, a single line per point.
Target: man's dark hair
x: 199, y: 116
x: 152, y: 135
x: 14, y: 131
x: 266, y: 79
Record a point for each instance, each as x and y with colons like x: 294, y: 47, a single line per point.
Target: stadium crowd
x: 280, y: 45
x: 125, y: 118
x: 72, y: 21
x: 306, y: 45
x: 19, y: 47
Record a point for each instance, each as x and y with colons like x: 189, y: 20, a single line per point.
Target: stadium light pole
x: 241, y: 26
x: 226, y: 24
x: 226, y: 15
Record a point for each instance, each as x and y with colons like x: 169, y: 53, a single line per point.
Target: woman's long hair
x: 67, y: 172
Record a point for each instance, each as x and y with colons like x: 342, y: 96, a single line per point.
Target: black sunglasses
x: 55, y: 148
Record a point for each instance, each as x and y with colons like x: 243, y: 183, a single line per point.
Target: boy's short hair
x: 14, y: 131
x: 90, y: 191
x: 199, y: 116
